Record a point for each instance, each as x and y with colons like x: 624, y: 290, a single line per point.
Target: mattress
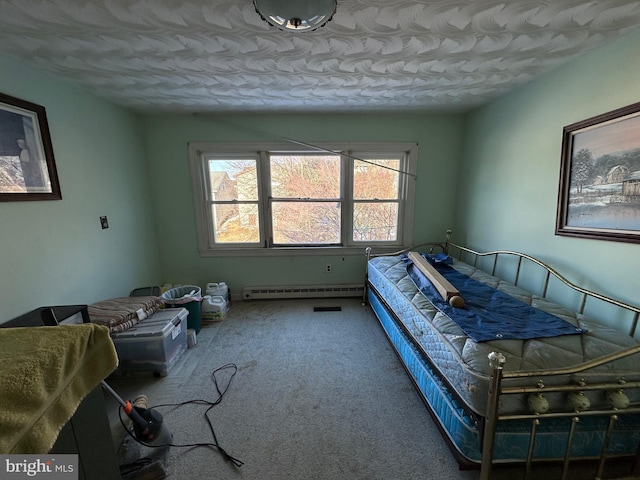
x: 463, y: 363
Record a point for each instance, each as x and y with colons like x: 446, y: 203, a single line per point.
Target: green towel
x: 45, y: 372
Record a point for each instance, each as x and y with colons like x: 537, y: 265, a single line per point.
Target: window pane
x: 305, y: 176
x: 371, y: 181
x: 306, y: 222
x: 233, y: 180
x: 375, y: 221
x: 235, y: 223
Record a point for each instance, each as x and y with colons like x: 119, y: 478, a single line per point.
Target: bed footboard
x: 614, y: 407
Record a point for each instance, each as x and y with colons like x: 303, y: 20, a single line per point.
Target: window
x: 376, y: 199
x: 232, y: 191
x: 306, y: 200
x: 271, y: 198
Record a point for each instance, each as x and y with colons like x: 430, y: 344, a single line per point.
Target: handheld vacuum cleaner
x: 148, y: 427
x: 151, y: 440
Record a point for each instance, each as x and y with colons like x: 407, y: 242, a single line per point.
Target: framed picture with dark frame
x: 27, y: 167
x: 599, y: 193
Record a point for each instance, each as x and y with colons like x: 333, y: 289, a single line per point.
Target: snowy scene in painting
x: 605, y: 176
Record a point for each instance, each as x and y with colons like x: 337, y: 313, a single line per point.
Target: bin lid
x: 170, y: 314
x: 157, y: 325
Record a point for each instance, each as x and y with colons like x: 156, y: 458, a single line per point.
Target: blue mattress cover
x: 488, y: 314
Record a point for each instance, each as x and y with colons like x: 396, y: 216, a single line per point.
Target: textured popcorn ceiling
x: 375, y: 55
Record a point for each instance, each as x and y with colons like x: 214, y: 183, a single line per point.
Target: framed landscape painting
x: 599, y: 193
x: 27, y: 167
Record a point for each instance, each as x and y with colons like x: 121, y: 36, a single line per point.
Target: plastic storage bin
x: 154, y: 345
x: 189, y: 297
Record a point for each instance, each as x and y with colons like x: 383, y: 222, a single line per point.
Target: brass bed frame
x: 619, y: 403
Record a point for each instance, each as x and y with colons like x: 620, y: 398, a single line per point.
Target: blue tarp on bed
x: 488, y: 313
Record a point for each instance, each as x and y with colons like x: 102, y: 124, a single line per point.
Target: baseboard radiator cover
x: 302, y: 291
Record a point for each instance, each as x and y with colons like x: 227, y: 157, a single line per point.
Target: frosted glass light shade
x: 296, y: 15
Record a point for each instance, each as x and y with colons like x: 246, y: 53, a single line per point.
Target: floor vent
x: 307, y: 291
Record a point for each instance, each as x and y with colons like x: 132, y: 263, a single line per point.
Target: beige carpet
x: 317, y: 395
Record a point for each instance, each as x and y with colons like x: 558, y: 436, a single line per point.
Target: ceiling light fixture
x: 296, y: 15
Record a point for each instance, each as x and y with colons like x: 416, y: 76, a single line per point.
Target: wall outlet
x: 104, y: 223
x: 328, y: 268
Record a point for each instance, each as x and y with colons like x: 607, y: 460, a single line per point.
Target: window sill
x: 296, y: 251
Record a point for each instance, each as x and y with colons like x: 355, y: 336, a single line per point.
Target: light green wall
x: 54, y: 252
x: 508, y: 193
x: 502, y: 190
x: 166, y: 139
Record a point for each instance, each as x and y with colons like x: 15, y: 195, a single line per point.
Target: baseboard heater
x: 302, y: 291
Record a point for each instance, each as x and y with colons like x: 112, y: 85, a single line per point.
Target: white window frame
x: 200, y: 151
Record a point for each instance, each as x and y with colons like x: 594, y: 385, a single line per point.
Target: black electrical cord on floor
x: 215, y: 443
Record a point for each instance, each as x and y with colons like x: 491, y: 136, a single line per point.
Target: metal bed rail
x: 614, y: 392
x: 549, y: 272
x: 578, y: 406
